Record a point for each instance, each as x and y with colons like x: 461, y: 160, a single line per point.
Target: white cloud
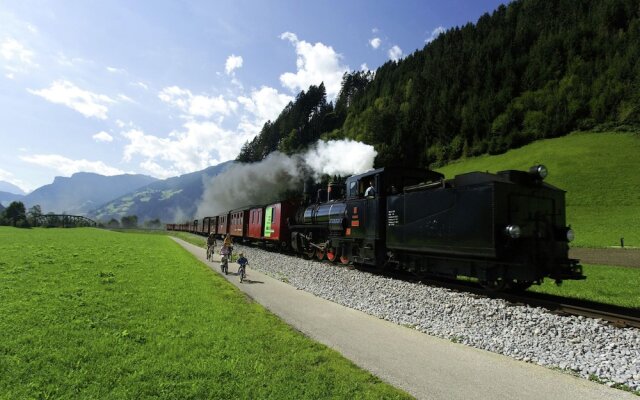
x: 198, y: 105
x: 395, y: 53
x: 375, y: 42
x: 233, y: 62
x: 141, y: 84
x: 263, y: 105
x: 126, y: 98
x: 102, y: 136
x: 434, y: 34
x: 315, y: 64
x: 17, y: 58
x: 364, y: 67
x: 86, y: 103
x: 12, y: 50
x: 115, y: 70
x: 157, y: 170
x: 266, y: 103
x: 67, y: 166
x: 74, y: 62
x: 198, y: 145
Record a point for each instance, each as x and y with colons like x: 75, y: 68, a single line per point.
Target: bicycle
x: 242, y: 271
x: 211, y: 249
x: 224, y: 265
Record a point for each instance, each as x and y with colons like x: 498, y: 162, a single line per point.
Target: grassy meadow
x: 95, y: 314
x: 604, y: 284
x: 599, y: 171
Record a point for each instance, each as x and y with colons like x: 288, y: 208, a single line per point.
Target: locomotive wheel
x: 320, y: 254
x: 344, y: 260
x: 520, y: 286
x: 308, y: 254
x: 332, y: 254
x: 497, y: 285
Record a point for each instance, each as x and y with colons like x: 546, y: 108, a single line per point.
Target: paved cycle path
x: 424, y: 366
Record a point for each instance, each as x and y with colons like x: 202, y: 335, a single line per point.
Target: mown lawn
x: 94, y: 314
x: 599, y: 171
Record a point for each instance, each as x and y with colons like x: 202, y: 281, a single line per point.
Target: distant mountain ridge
x: 83, y: 191
x: 169, y: 200
x: 6, y: 198
x: 11, y: 188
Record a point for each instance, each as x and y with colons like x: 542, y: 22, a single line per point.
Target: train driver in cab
x: 371, y: 191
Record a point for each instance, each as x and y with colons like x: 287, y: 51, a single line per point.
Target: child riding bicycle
x: 224, y: 264
x: 242, y: 269
x: 211, y: 246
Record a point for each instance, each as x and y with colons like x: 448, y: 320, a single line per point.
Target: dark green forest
x: 532, y: 69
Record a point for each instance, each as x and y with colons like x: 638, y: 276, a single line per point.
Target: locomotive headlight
x: 539, y: 171
x: 570, y: 235
x: 513, y: 231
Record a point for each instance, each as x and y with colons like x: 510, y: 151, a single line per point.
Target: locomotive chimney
x: 334, y: 190
x: 306, y: 191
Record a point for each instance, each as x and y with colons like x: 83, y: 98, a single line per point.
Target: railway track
x: 621, y: 317
x: 618, y: 316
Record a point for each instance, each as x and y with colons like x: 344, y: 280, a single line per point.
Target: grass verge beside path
x: 88, y: 313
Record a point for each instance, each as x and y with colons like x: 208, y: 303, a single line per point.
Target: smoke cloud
x: 265, y: 182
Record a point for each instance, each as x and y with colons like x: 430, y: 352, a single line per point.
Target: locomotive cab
x: 364, y: 236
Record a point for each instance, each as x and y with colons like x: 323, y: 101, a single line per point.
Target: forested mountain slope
x: 532, y: 69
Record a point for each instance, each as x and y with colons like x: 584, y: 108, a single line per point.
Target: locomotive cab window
x: 353, y: 189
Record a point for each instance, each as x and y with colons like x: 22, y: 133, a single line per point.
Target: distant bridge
x: 64, y: 221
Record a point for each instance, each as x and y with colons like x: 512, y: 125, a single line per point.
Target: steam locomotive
x: 508, y: 230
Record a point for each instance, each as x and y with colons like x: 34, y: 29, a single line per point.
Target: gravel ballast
x: 583, y: 346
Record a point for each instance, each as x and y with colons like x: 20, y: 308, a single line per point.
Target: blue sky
x: 165, y: 88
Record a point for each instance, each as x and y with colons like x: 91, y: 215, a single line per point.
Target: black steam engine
x: 508, y: 229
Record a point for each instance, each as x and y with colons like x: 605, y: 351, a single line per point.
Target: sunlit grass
x: 87, y: 313
x: 604, y: 284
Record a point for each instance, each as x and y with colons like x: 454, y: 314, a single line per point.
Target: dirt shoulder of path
x: 619, y: 257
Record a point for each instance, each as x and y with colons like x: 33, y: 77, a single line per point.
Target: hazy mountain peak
x: 11, y: 188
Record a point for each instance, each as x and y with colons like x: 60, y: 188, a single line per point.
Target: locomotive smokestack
x: 306, y: 191
x: 335, y: 190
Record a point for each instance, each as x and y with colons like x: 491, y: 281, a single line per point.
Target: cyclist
x: 242, y: 269
x: 211, y: 246
x: 228, y: 244
x: 224, y: 264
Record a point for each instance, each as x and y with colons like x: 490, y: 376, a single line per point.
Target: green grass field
x: 94, y: 314
x: 599, y: 171
x: 604, y: 284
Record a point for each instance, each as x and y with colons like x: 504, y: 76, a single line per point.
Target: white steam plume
x: 340, y: 157
x: 249, y: 184
x: 266, y: 181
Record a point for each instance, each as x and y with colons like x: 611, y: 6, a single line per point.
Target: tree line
x: 18, y: 216
x: 530, y: 70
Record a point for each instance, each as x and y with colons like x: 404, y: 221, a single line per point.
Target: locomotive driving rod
x: 317, y: 246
